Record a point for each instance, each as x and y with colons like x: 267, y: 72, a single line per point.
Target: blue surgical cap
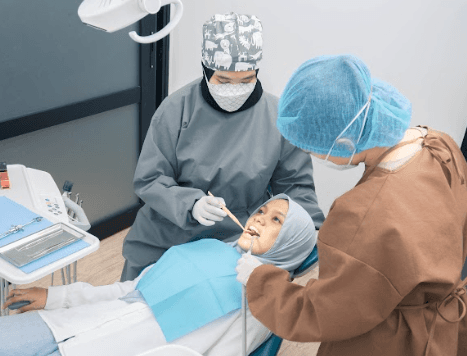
x: 325, y: 93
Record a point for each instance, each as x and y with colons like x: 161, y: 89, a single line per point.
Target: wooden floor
x: 105, y: 266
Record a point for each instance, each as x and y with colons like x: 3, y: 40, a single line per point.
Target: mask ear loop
x: 366, y: 106
x: 206, y: 78
x: 363, y: 126
x: 366, y: 115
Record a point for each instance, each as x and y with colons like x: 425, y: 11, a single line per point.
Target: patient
x: 79, y: 319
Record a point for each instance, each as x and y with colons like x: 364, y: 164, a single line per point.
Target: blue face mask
x: 341, y: 140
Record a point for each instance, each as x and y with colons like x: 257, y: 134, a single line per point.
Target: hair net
x: 295, y: 241
x: 232, y: 42
x: 323, y: 96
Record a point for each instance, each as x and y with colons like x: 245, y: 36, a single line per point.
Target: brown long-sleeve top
x: 396, y: 239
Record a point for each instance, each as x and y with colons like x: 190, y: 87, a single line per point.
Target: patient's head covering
x: 324, y: 95
x: 295, y: 241
x: 232, y: 42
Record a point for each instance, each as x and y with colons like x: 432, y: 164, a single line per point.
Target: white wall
x: 418, y: 46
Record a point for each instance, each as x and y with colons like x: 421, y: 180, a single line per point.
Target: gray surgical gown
x: 190, y: 149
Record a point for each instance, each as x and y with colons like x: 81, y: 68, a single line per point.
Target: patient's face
x: 267, y: 222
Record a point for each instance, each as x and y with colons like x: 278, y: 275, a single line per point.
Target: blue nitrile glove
x: 208, y: 210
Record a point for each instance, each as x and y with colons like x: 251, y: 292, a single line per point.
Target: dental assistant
x: 392, y: 248
x: 216, y: 134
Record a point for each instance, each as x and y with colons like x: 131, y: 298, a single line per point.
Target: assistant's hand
x: 37, y: 296
x: 245, y: 266
x: 208, y: 210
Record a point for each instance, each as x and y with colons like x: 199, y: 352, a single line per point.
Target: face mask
x: 230, y: 97
x: 331, y: 164
x: 340, y: 139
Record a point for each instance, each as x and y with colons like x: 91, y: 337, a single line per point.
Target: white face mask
x: 339, y: 139
x: 230, y: 97
x: 330, y: 164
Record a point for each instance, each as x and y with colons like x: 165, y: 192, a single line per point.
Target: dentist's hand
x: 208, y: 210
x: 245, y: 266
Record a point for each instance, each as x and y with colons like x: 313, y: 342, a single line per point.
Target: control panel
x: 35, y: 189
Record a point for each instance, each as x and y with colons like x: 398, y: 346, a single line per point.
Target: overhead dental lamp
x: 113, y: 15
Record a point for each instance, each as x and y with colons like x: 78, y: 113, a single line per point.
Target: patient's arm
x: 68, y: 295
x: 37, y: 296
x: 80, y: 293
x: 72, y: 295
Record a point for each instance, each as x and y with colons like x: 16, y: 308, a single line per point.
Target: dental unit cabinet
x: 37, y: 191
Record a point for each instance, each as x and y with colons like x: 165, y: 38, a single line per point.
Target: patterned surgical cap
x: 232, y: 42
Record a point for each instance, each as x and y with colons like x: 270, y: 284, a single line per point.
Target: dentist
x: 216, y: 134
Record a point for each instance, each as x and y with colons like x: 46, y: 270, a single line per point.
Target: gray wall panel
x: 49, y: 58
x: 97, y: 153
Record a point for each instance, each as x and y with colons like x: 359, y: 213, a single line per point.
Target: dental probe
x: 232, y: 216
x: 18, y: 228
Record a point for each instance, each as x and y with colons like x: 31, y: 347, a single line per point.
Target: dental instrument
x: 232, y: 216
x: 41, y: 243
x: 17, y: 228
x: 75, y: 217
x: 67, y: 186
x: 76, y: 202
x: 235, y: 220
x: 110, y: 16
x: 254, y: 235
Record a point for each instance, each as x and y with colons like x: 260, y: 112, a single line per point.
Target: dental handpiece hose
x: 244, y: 303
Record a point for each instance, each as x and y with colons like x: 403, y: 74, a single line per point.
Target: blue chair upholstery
x: 306, y: 265
x: 268, y: 348
x: 272, y: 345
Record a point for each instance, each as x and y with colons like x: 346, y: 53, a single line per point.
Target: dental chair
x: 272, y: 345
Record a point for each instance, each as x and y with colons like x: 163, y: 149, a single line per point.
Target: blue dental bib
x: 191, y: 285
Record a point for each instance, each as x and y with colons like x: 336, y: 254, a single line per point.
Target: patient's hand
x: 37, y: 296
